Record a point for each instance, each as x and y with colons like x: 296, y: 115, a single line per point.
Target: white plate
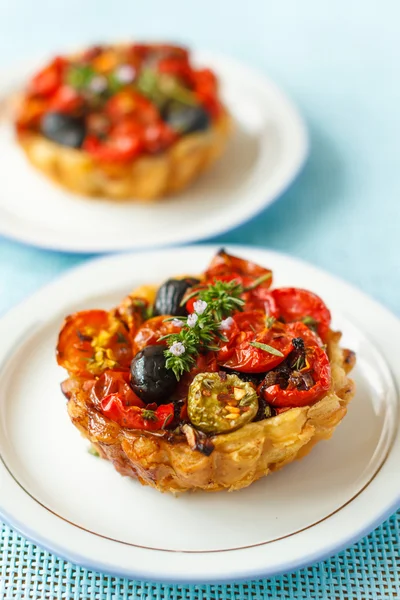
x: 77, y: 506
x: 266, y: 152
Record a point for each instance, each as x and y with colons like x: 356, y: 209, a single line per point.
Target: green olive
x: 219, y: 403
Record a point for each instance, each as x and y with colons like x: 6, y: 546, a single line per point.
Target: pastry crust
x: 144, y: 178
x: 239, y: 458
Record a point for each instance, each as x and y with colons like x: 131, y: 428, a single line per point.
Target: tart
x: 124, y: 121
x: 208, y: 382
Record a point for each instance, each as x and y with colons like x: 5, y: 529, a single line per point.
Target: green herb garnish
x: 80, y: 76
x: 310, y: 322
x: 149, y: 415
x: 202, y: 330
x: 267, y: 348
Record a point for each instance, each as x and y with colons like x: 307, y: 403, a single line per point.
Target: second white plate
x: 266, y: 152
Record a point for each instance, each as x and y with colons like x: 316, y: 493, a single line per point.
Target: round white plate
x: 55, y: 493
x: 267, y: 150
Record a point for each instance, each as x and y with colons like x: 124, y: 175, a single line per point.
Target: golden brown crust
x: 239, y: 458
x: 145, y: 178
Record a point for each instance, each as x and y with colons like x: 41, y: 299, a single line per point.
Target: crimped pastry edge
x: 145, y: 178
x: 239, y: 458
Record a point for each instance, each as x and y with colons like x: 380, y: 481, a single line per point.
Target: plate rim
x: 11, y: 228
x: 302, y: 561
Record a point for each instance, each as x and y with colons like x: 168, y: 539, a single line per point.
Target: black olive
x: 63, y: 129
x: 298, y: 343
x: 150, y: 379
x: 170, y: 294
x: 186, y: 119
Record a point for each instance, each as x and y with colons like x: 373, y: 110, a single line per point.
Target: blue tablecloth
x: 339, y: 62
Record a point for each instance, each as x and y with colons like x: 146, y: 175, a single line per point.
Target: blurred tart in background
x: 123, y: 121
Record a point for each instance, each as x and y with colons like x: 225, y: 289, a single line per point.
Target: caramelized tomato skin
x: 318, y: 366
x: 295, y: 304
x: 292, y: 397
x: 150, y: 332
x: 87, y: 332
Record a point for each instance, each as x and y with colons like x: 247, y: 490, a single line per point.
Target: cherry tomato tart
x: 124, y: 121
x: 208, y: 381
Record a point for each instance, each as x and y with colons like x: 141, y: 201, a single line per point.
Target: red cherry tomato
x: 150, y: 332
x: 47, y: 81
x: 320, y: 370
x: 177, y: 67
x: 250, y: 327
x: 157, y: 137
x: 75, y: 343
x: 295, y: 304
x: 225, y: 264
x: 128, y: 103
x: 116, y: 148
x: 206, y: 89
x: 31, y: 112
x: 115, y: 382
x: 205, y: 363
x: 65, y: 99
x: 133, y: 417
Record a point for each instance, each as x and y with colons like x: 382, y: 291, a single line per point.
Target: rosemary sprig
x: 202, y: 330
x: 267, y: 348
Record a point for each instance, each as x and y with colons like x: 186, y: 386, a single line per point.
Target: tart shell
x: 145, y: 178
x: 239, y: 458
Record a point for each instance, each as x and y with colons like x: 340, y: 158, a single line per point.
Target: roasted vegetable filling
x: 202, y: 356
x: 120, y: 102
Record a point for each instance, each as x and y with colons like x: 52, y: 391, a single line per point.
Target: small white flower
x: 192, y: 320
x: 177, y: 349
x: 177, y: 323
x: 226, y: 324
x: 200, y: 306
x: 98, y: 84
x: 125, y: 73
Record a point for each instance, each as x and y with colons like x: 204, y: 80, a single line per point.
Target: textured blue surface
x: 339, y: 63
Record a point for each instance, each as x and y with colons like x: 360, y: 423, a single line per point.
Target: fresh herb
x: 92, y: 450
x: 161, y: 88
x: 149, y: 415
x: 258, y: 282
x: 80, y: 76
x: 121, y: 339
x: 310, y: 322
x: 202, y: 330
x: 270, y: 321
x: 222, y: 297
x: 267, y: 348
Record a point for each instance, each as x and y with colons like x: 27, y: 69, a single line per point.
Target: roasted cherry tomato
x: 133, y: 417
x: 116, y: 148
x: 177, y: 67
x: 157, y: 137
x: 128, y: 103
x: 31, y: 112
x: 318, y: 367
x: 250, y: 328
x: 115, y: 382
x: 48, y: 80
x: 93, y: 341
x: 65, y: 99
x: 206, y: 89
x: 226, y: 264
x: 205, y: 363
x: 151, y: 331
x: 295, y: 304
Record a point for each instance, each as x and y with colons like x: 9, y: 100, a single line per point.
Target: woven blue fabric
x: 368, y: 570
